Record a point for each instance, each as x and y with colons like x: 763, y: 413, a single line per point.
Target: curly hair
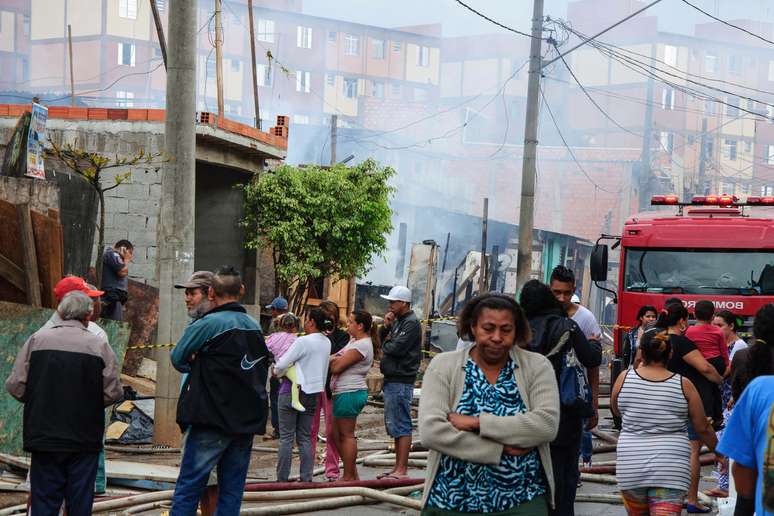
x: 493, y: 301
x: 536, y: 297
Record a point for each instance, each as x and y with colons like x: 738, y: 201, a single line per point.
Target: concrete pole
x: 219, y: 54
x: 529, y: 163
x: 255, y: 78
x: 176, y: 224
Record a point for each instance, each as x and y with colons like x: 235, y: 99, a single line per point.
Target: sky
x: 674, y: 16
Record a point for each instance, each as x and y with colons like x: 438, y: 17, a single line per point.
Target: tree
x: 90, y: 166
x: 319, y: 222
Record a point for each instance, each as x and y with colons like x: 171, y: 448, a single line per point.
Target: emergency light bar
x: 723, y: 201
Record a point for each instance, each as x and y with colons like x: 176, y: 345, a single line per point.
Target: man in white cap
x: 401, y: 338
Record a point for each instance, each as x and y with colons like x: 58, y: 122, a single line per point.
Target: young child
x: 712, y: 344
x: 279, y: 343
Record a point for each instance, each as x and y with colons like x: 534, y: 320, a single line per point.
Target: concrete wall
x: 41, y: 195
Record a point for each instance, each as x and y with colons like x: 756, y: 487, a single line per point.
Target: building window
x: 420, y: 95
x: 377, y: 90
x: 330, y: 79
x: 378, y: 48
x: 236, y: 65
x: 396, y: 46
x: 729, y: 149
x: 767, y: 191
x: 301, y: 119
x: 710, y: 63
x: 423, y: 57
x: 350, y: 88
x: 26, y: 25
x: 770, y: 155
x: 668, y: 98
x: 396, y: 89
x: 709, y: 107
x: 732, y: 106
x: 264, y: 75
x: 303, y: 80
x: 304, y: 37
x: 332, y: 36
x: 735, y: 64
x: 124, y: 97
x: 667, y: 141
x: 748, y: 146
x: 670, y: 55
x: 266, y: 30
x: 126, y: 54
x: 127, y: 9
x: 351, y: 45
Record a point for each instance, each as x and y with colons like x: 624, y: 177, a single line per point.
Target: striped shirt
x: 653, y: 448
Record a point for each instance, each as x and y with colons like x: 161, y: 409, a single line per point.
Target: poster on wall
x: 35, y: 141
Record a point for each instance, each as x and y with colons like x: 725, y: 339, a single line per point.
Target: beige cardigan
x: 441, y: 392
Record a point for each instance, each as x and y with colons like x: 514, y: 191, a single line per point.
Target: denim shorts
x: 397, y: 409
x: 348, y: 405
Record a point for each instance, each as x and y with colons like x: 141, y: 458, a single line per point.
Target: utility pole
x: 255, y: 76
x: 529, y: 162
x: 72, y: 77
x: 647, y: 142
x: 159, y: 31
x: 482, y: 268
x: 218, y: 53
x: 176, y: 223
x: 334, y: 130
x: 701, y: 190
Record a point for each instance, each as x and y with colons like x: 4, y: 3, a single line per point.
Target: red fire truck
x: 713, y: 247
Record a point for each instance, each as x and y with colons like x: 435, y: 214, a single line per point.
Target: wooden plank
x: 114, y: 469
x: 32, y: 281
x: 142, y: 386
x: 11, y: 272
x: 50, y: 260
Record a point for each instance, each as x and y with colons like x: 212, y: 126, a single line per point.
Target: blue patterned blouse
x: 480, y: 488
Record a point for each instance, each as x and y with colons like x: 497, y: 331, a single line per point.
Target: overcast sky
x: 674, y: 16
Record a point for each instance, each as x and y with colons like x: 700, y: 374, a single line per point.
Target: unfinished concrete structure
x: 227, y: 154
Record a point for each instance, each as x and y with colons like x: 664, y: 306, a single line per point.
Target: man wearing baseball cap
x: 70, y: 284
x: 196, y: 291
x: 401, y: 338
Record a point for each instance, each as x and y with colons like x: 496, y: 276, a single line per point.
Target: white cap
x: 575, y: 299
x: 399, y: 293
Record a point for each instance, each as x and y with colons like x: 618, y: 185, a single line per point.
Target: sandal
x: 697, y: 509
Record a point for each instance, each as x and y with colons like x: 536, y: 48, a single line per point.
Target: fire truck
x: 712, y: 247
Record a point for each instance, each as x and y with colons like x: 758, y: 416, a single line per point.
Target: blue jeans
x: 586, y: 445
x: 204, y: 450
x: 397, y: 408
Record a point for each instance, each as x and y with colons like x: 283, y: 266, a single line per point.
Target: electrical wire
x: 495, y: 22
x: 569, y: 149
x: 724, y: 22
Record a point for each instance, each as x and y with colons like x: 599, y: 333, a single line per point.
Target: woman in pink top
x: 711, y: 342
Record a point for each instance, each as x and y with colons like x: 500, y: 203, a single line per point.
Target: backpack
x: 574, y: 389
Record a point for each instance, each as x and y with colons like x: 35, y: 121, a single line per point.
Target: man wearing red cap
x: 65, y: 286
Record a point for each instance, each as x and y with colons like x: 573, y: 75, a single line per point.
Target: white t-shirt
x: 738, y: 345
x: 310, y: 354
x: 353, y: 378
x: 92, y: 327
x: 587, y: 322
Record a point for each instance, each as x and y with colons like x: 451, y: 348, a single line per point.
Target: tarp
x: 17, y: 324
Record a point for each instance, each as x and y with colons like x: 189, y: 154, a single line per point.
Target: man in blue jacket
x: 223, y: 402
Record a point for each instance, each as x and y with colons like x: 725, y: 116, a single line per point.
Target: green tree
x: 92, y: 168
x: 319, y: 222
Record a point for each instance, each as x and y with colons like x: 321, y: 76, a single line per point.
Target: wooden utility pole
x: 529, y: 162
x: 334, y: 129
x: 482, y: 268
x: 219, y: 53
x: 255, y: 73
x: 72, y: 78
x: 159, y: 31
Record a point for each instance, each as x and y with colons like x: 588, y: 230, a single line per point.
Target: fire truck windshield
x: 697, y: 271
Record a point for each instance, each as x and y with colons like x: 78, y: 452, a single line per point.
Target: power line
x: 724, y: 22
x: 490, y: 20
x: 569, y: 149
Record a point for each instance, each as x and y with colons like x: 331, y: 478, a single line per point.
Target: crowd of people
x: 505, y: 417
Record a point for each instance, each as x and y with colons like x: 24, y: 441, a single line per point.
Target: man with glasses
x: 748, y: 440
